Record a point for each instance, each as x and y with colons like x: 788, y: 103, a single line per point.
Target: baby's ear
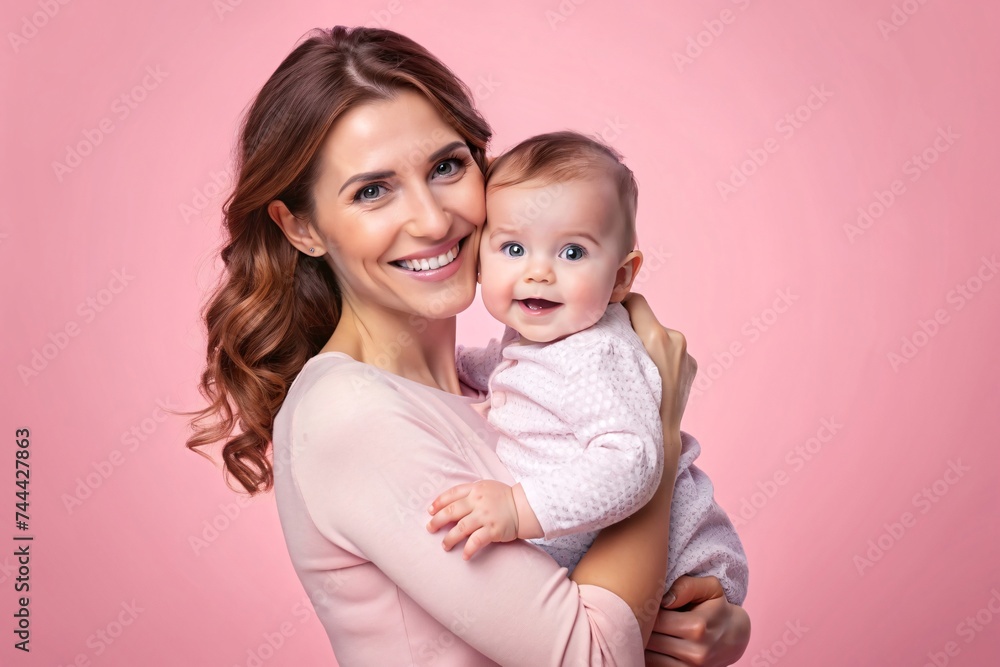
x: 626, y: 275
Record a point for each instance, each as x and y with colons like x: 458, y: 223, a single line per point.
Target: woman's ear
x: 298, y: 232
x: 626, y: 275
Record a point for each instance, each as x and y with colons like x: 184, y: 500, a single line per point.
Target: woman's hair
x: 275, y: 307
x: 567, y: 156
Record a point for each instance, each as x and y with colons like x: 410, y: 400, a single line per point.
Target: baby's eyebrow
x: 498, y: 231
x: 585, y: 235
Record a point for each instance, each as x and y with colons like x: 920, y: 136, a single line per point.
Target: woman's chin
x: 454, y: 297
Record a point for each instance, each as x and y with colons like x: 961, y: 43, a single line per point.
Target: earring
x: 312, y: 250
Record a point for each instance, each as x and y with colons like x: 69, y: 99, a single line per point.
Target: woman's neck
x: 417, y: 348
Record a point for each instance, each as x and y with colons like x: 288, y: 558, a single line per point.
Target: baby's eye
x: 512, y: 249
x: 369, y: 193
x: 573, y: 253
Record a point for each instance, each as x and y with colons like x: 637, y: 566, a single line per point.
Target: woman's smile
x: 432, y: 264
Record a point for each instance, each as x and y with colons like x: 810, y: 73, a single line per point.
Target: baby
x: 572, y: 391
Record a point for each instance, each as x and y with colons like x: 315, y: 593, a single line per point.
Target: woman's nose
x: 427, y: 217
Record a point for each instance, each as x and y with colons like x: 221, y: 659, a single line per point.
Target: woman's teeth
x: 431, y: 262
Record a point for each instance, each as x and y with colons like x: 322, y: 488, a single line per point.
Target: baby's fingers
x: 476, y: 541
x: 449, y: 496
x: 449, y: 514
x: 467, y: 526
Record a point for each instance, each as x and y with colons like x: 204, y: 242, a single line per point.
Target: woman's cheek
x: 474, y: 201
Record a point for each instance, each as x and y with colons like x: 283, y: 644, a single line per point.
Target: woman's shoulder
x: 334, y: 376
x: 334, y: 393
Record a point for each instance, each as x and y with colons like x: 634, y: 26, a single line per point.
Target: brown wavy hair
x: 275, y: 307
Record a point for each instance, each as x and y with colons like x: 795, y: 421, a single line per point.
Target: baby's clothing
x: 580, y: 430
x: 579, y: 427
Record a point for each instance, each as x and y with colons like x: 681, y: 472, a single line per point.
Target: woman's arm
x: 640, y: 540
x: 712, y: 632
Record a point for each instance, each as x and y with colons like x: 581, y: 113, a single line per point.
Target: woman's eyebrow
x: 380, y: 175
x: 444, y: 150
x: 367, y: 176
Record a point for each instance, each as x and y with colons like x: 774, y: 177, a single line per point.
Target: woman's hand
x: 697, y: 626
x: 668, y: 349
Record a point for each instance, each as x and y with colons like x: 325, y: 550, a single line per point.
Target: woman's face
x: 399, y: 205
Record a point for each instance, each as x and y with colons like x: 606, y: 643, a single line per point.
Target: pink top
x: 359, y: 454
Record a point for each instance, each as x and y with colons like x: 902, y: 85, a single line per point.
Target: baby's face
x: 549, y: 255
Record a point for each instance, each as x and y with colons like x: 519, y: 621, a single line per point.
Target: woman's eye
x: 512, y: 249
x: 448, y: 167
x: 573, y: 253
x: 369, y: 193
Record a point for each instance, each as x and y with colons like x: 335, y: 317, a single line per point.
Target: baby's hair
x: 566, y: 156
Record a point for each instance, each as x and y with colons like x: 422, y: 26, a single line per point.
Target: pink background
x: 819, y: 441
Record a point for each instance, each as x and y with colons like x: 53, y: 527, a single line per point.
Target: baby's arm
x: 611, y: 400
x: 475, y: 365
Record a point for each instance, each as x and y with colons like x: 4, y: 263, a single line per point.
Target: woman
x: 361, y: 151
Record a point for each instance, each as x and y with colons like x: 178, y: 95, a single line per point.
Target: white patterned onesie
x: 580, y: 430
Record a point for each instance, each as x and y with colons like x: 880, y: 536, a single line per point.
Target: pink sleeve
x: 367, y: 462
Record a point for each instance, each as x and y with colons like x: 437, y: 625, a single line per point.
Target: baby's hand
x: 484, y: 512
